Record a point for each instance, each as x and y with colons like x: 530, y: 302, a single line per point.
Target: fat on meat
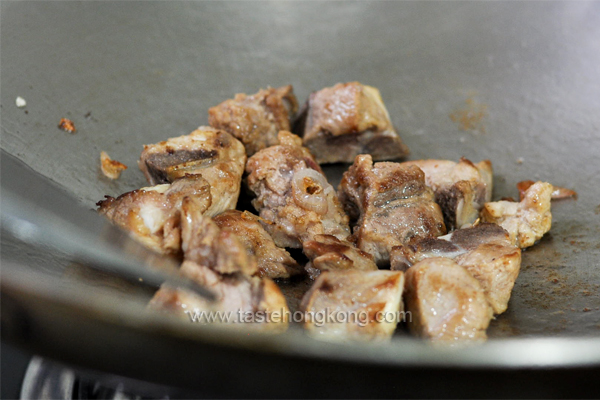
x: 293, y: 198
x: 215, y: 154
x: 152, y: 215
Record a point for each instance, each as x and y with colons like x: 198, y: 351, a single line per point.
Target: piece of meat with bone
x: 354, y: 305
x: 293, y: 198
x: 254, y: 302
x: 526, y: 221
x: 204, y: 243
x: 392, y: 204
x: 273, y: 261
x: 445, y: 302
x: 484, y: 250
x: 451, y: 245
x: 218, y: 260
x: 257, y: 119
x: 328, y: 253
x: 215, y: 154
x: 461, y: 189
x: 153, y: 214
x: 338, y: 123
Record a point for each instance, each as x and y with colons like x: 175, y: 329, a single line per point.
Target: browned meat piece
x: 526, y: 221
x: 327, y: 252
x: 485, y: 250
x: 496, y: 267
x: 256, y: 120
x: 558, y: 193
x: 204, y: 243
x: 217, y: 259
x: 153, y: 214
x: 257, y: 303
x: 340, y: 122
x: 460, y: 188
x: 445, y: 302
x: 451, y: 245
x: 392, y: 203
x: 354, y: 305
x: 293, y: 197
x: 273, y: 261
x: 216, y: 155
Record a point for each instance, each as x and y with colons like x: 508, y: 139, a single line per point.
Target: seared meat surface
x: 460, y: 188
x: 338, y: 123
x: 217, y: 259
x: 327, y: 252
x: 354, y: 305
x: 451, y: 245
x: 212, y: 153
x: 257, y: 119
x: 204, y: 243
x: 273, y: 261
x: 558, y: 193
x: 526, y: 221
x: 446, y: 303
x: 255, y: 302
x: 392, y: 204
x: 385, y: 214
x: 153, y: 214
x: 293, y: 197
x: 484, y: 250
x: 496, y: 267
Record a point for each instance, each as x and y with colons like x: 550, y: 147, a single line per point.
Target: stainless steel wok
x: 130, y: 73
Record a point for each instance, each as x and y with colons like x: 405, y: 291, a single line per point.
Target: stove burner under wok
x: 46, y: 379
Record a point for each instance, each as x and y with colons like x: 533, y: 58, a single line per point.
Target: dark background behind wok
x: 131, y: 73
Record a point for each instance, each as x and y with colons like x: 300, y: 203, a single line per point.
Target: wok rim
x: 400, y: 352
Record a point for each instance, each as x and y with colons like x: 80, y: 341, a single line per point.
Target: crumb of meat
x: 67, y: 125
x: 20, y: 102
x: 111, y: 168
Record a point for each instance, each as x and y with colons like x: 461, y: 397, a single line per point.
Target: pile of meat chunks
x: 419, y: 241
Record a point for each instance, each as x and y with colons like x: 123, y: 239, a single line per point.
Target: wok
x: 520, y: 80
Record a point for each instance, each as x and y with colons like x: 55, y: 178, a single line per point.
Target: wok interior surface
x: 515, y: 83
